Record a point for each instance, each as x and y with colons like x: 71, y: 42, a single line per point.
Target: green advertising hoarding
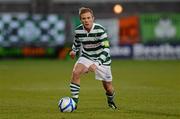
x: 22, y: 29
x: 160, y: 28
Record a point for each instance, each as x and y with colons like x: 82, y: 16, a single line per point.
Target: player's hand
x: 92, y: 68
x: 72, y: 54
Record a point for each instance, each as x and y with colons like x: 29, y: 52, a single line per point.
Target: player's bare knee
x: 109, y: 88
x: 76, y: 73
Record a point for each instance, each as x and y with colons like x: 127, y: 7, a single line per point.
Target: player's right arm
x: 75, y: 47
x: 72, y: 54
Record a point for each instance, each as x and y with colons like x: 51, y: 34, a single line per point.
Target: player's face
x: 87, y: 20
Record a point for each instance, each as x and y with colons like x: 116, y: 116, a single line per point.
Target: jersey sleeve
x: 105, y: 45
x: 76, y: 44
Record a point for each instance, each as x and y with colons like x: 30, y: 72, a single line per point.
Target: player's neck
x: 88, y: 29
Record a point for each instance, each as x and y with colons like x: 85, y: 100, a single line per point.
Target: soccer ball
x: 66, y: 104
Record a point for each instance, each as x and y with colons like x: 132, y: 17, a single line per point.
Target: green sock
x: 110, y: 97
x: 75, y: 88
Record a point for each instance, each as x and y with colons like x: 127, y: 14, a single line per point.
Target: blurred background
x: 138, y: 29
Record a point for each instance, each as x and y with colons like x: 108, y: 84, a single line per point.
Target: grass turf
x: 31, y: 89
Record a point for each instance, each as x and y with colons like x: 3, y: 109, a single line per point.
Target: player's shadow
x: 155, y: 113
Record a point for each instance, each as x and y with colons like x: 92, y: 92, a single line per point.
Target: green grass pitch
x: 31, y: 89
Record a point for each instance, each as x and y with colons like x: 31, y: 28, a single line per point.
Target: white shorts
x: 102, y: 72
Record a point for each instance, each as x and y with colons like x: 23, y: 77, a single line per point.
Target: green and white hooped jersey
x: 95, y: 44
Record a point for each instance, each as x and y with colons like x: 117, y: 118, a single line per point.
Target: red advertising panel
x: 129, y: 30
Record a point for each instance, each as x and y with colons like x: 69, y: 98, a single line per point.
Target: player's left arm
x: 105, y: 45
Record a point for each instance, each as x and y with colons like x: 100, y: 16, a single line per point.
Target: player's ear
x: 80, y: 20
x: 93, y: 18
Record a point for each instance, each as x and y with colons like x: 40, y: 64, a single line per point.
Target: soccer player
x: 93, y: 41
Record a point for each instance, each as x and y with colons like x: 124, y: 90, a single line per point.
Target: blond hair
x: 83, y: 10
